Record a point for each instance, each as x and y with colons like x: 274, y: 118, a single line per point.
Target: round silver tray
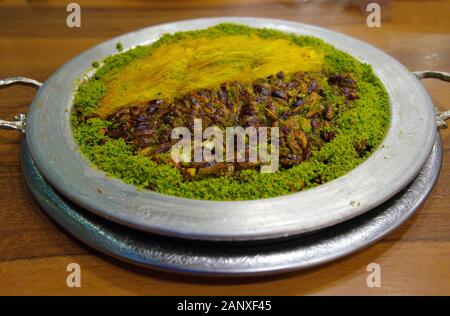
x: 232, y: 258
x: 390, y: 167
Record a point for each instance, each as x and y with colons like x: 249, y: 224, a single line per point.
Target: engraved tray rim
x: 232, y: 258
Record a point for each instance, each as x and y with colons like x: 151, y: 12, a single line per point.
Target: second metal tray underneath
x: 238, y: 258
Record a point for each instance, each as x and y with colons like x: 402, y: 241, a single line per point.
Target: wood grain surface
x: 34, y: 252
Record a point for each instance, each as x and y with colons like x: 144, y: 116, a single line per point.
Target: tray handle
x: 444, y: 76
x: 18, y: 122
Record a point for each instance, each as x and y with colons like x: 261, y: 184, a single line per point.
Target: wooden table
x: 34, y: 252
